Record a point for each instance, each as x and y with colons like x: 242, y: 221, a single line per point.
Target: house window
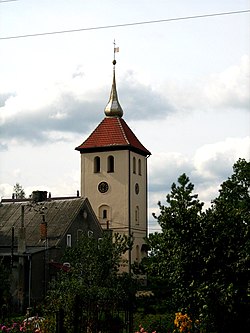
x: 97, y: 164
x: 79, y: 234
x: 137, y: 215
x: 134, y: 165
x: 111, y: 164
x: 139, y: 167
x: 68, y: 240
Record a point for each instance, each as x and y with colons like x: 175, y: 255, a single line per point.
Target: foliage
x: 175, y: 253
x: 4, y: 288
x: 162, y: 323
x: 92, y: 290
x: 185, y: 324
x: 18, y: 191
x: 203, y: 257
x: 30, y: 325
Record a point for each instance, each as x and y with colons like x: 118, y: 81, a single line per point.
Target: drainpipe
x: 129, y: 215
x: 21, y: 249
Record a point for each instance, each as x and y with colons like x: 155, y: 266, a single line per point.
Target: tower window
x: 97, y: 164
x: 139, y: 167
x: 111, y: 164
x: 104, y: 214
x: 134, y: 165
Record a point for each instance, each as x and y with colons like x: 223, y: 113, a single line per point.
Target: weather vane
x: 116, y: 49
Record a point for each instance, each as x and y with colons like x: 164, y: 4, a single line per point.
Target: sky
x: 183, y: 84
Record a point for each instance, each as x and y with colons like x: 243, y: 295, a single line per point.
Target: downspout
x: 129, y: 215
x: 147, y: 195
x: 30, y: 262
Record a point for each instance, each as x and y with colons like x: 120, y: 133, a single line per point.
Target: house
x: 34, y: 234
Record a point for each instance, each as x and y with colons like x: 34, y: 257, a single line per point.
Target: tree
x: 18, y: 191
x: 203, y: 257
x: 92, y: 290
x: 175, y: 253
x: 227, y: 243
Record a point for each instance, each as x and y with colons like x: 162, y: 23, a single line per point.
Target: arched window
x: 104, y: 214
x: 97, y: 164
x: 137, y: 217
x: 139, y: 166
x: 134, y: 165
x: 111, y: 164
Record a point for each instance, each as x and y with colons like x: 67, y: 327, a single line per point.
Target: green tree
x: 175, y: 253
x: 18, y: 191
x: 227, y: 244
x: 92, y: 290
x: 203, y: 257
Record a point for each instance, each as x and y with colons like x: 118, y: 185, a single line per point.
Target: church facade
x: 114, y: 177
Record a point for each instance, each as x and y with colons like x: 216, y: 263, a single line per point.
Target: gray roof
x: 59, y: 215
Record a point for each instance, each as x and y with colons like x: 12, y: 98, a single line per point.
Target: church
x: 114, y: 176
x: 34, y: 232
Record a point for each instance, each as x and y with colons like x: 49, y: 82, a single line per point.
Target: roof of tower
x: 113, y: 108
x: 112, y: 134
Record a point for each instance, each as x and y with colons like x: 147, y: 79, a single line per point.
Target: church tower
x: 114, y: 176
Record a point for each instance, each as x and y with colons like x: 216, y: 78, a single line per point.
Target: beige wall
x: 120, y: 204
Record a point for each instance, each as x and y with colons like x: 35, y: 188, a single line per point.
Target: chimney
x: 43, y: 229
x: 38, y: 196
x: 22, y: 234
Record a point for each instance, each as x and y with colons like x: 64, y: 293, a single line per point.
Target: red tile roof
x: 111, y: 134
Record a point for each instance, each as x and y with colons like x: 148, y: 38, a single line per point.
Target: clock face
x: 136, y: 188
x: 103, y: 187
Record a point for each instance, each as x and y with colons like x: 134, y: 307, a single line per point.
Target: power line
x: 7, y: 0
x: 125, y: 24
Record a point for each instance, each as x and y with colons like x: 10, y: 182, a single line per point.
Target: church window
x: 104, y: 214
x: 134, y: 165
x: 111, y: 164
x: 97, y: 164
x: 139, y: 166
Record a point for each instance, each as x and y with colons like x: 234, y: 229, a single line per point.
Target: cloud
x: 141, y: 101
x: 211, y: 165
x: 4, y: 97
x: 31, y: 117
x: 224, y: 90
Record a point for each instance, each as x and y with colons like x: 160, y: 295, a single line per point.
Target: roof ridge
x: 125, y: 136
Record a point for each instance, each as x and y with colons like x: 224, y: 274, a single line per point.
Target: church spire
x: 113, y: 108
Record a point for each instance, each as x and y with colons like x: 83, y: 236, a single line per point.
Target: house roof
x: 112, y: 134
x: 59, y: 215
